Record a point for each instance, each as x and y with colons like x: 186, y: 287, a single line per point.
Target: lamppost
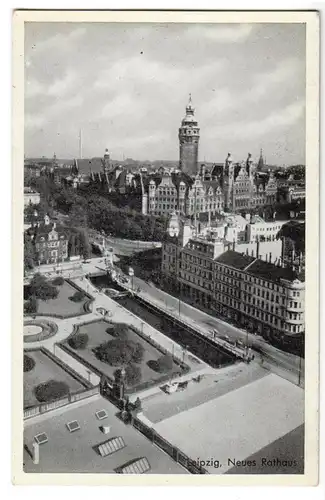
x: 122, y: 383
x: 300, y: 365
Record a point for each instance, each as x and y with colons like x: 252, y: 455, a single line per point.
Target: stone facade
x: 257, y: 294
x: 187, y: 196
x: 245, y: 188
x: 189, y: 136
x: 50, y: 241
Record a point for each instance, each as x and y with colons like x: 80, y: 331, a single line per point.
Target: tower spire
x: 260, y: 164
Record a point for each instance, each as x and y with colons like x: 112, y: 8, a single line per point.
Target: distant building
x: 244, y: 188
x: 31, y: 197
x: 188, y: 196
x: 256, y: 293
x: 290, y: 189
x: 50, y: 241
x: 189, y: 136
x: 292, y: 235
x: 258, y: 229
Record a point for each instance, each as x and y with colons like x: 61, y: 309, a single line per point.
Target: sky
x: 126, y: 87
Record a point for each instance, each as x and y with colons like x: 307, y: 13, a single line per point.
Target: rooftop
x: 235, y: 259
x: 77, y: 451
x: 88, y: 165
x: 258, y: 267
x: 270, y: 272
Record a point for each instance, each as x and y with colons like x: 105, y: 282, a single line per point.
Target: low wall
x: 176, y: 454
x: 72, y: 398
x: 77, y: 366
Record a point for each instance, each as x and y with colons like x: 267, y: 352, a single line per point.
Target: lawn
x: 62, y: 305
x: 45, y: 369
x: 97, y: 335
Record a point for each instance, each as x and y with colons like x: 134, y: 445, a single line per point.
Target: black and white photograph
x: 164, y: 228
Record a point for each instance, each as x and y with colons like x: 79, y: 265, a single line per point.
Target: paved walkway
x: 281, y: 362
x: 117, y: 314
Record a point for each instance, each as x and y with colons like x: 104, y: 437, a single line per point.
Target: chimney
x: 233, y: 245
x: 270, y: 257
x: 35, y: 453
x: 252, y: 253
x: 80, y: 144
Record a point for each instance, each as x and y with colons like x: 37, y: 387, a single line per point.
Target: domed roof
x: 189, y: 118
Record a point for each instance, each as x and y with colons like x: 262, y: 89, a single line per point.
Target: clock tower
x: 189, y: 135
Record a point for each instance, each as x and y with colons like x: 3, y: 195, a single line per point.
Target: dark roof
x: 258, y: 267
x: 213, y: 184
x: 43, y: 230
x: 235, y: 259
x: 268, y: 271
x: 121, y: 180
x: 87, y: 165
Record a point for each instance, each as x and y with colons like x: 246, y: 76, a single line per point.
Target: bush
x: 78, y: 296
x: 59, y: 281
x: 31, y: 306
x: 119, y: 352
x: 121, y: 330
x: 118, y: 330
x: 42, y: 289
x: 133, y: 374
x: 138, y: 353
x: 162, y: 364
x: 78, y: 341
x: 137, y: 404
x: 29, y: 363
x: 51, y: 391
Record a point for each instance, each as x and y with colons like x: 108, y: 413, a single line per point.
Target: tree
x: 138, y: 353
x: 58, y: 281
x: 133, y: 374
x: 162, y: 364
x: 29, y: 363
x: 78, y: 341
x: 51, y: 391
x: 42, y: 289
x: 78, y: 296
x: 119, y: 351
x: 29, y: 254
x: 78, y: 214
x: 85, y: 246
x: 31, y: 305
x: 137, y: 404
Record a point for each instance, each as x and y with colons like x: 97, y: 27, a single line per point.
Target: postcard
x: 165, y: 242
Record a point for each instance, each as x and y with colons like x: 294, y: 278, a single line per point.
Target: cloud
x: 60, y: 108
x: 62, y: 86
x: 284, y: 72
x: 127, y: 87
x: 269, y: 84
x: 126, y: 71
x: 59, y: 41
x: 279, y: 119
x: 59, y: 88
x: 219, y: 33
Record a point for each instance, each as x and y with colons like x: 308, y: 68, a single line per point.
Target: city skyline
x: 247, y: 84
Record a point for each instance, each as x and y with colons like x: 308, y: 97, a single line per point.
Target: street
x: 273, y: 355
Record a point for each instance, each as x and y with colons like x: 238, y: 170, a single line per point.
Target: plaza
x: 78, y: 451
x: 97, y: 334
x: 45, y: 369
x: 237, y: 424
x: 62, y: 305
